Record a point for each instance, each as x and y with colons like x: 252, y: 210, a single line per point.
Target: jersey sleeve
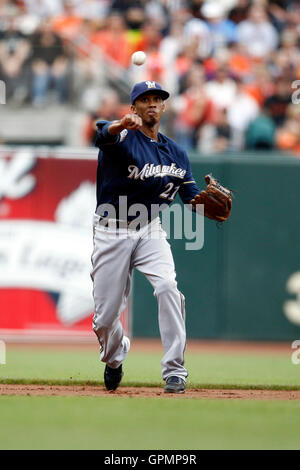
x: 188, y: 188
x: 104, y: 138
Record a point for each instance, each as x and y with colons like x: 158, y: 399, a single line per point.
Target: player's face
x: 149, y: 107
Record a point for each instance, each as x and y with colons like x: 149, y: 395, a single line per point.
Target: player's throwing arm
x: 131, y: 122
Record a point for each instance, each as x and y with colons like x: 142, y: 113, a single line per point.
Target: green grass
x: 25, y: 365
x: 115, y: 422
x: 127, y: 423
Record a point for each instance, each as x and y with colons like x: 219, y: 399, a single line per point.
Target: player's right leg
x: 111, y: 276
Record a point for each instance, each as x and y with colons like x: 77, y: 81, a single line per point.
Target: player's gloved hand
x: 216, y: 198
x: 132, y: 122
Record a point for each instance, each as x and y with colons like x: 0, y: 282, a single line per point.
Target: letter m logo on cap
x: 150, y: 84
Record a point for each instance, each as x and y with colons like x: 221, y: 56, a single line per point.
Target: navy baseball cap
x: 147, y: 87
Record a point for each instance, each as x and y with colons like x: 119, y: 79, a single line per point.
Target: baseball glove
x: 217, y: 200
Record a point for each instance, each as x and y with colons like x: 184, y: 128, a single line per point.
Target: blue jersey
x: 147, y: 172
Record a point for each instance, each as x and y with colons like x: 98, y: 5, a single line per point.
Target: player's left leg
x: 153, y: 257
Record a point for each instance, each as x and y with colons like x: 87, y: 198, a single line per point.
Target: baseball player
x: 139, y: 164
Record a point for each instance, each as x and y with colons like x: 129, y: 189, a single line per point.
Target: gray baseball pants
x: 116, y: 252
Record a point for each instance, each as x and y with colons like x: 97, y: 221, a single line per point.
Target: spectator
x: 159, y: 11
x: 260, y: 134
x: 240, y: 11
x: 222, y: 30
x: 293, y: 10
x: 172, y: 44
x: 155, y: 66
x: 185, y: 60
x: 197, y: 33
x: 257, y: 33
x: 239, y: 62
x: 287, y: 58
x: 194, y: 7
x: 132, y: 11
x: 113, y: 40
x: 215, y: 137
x: 277, y: 104
x: 89, y: 77
x: 240, y: 113
x: 221, y: 90
x: 69, y: 23
x: 172, y: 51
x: 135, y: 18
x: 259, y: 85
x: 278, y: 11
x: 49, y: 65
x: 14, y: 52
x: 150, y: 36
x: 288, y: 135
x: 193, y: 109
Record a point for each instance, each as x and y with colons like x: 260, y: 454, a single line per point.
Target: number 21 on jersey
x: 170, y: 192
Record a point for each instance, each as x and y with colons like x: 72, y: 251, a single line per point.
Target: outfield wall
x: 245, y: 282
x: 47, y: 200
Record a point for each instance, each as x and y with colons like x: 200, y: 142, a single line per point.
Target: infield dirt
x: 146, y: 392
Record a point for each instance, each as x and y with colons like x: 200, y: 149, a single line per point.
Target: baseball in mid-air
x: 138, y: 58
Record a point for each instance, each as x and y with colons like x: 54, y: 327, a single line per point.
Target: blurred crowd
x: 231, y: 66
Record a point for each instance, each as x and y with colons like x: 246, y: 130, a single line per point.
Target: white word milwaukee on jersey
x: 156, y: 171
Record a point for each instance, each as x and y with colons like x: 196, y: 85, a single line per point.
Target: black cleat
x: 112, y: 377
x: 174, y: 385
